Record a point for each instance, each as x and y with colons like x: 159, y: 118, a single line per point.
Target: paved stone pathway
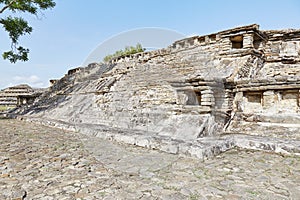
x: 38, y: 162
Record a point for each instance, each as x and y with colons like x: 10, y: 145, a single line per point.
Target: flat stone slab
x: 40, y: 162
x: 202, y: 148
x: 277, y: 145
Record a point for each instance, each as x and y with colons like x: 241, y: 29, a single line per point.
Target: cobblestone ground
x: 38, y: 162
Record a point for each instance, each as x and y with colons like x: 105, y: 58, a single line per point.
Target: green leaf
x: 15, y: 26
x: 31, y: 6
x: 13, y: 57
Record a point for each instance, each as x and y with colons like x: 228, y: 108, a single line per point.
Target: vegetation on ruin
x: 5, y: 108
x: 127, y: 51
x: 17, y: 26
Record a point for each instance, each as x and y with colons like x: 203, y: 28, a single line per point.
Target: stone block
x: 170, y: 147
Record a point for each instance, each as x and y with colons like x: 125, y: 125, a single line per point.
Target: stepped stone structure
x: 18, y: 95
x: 241, y: 81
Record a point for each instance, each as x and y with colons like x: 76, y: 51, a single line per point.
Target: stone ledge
x: 201, y: 148
x: 276, y: 145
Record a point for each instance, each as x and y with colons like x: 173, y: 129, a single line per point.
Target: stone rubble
x: 39, y: 162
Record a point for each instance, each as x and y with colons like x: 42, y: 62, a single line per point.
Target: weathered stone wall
x: 269, y: 101
x: 193, y: 88
x: 10, y: 97
x: 282, y: 52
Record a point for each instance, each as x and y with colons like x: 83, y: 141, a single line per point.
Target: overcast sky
x: 65, y: 36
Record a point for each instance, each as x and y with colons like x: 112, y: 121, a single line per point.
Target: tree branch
x: 7, y: 6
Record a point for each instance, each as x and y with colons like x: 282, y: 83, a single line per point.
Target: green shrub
x: 127, y: 51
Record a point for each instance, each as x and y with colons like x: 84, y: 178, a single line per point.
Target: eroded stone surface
x: 39, y: 162
x: 241, y: 80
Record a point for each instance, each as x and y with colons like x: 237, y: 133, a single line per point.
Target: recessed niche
x: 213, y: 38
x: 256, y: 41
x: 237, y: 41
x: 254, y: 97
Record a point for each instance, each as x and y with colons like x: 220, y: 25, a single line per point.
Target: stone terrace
x: 39, y: 162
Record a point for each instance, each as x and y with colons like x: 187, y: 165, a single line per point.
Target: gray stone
x: 112, y: 170
x: 153, y: 91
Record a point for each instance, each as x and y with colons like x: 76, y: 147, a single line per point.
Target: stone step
x: 201, y: 148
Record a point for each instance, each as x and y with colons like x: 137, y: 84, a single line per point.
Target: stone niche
x: 271, y: 101
x: 290, y: 49
x: 237, y: 41
x: 212, y: 38
x: 201, y: 40
x: 252, y: 102
x: 195, y: 97
x: 188, y: 97
x: 257, y: 41
x: 279, y: 101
